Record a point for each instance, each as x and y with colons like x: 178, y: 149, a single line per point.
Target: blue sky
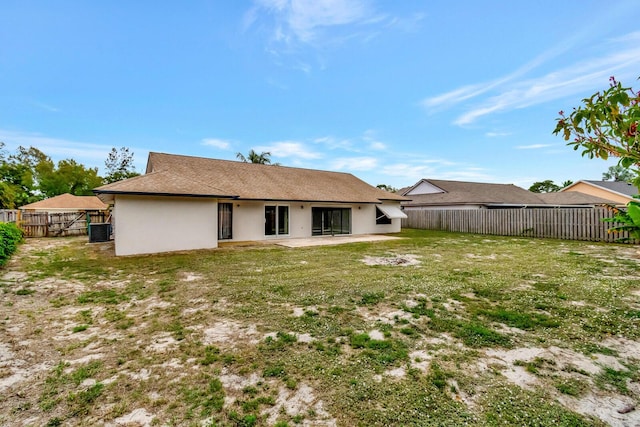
x: 391, y: 91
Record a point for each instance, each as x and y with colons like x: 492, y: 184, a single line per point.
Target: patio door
x: 330, y: 221
x: 276, y: 220
x: 225, y: 221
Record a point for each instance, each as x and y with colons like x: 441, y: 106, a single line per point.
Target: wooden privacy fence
x: 9, y: 215
x: 56, y: 224
x: 567, y: 224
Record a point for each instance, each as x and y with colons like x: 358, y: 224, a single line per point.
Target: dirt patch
x: 393, y: 260
x: 228, y: 333
x: 299, y: 402
x: 138, y: 417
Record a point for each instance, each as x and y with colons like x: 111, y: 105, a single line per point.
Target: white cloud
x: 377, y: 145
x: 513, y: 92
x: 290, y: 149
x: 216, y: 143
x: 370, y: 137
x: 496, y: 134
x: 89, y: 154
x: 533, y: 146
x: 355, y: 163
x: 303, y: 19
x: 335, y: 143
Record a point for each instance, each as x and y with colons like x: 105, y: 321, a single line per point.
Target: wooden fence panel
x: 58, y: 224
x: 568, y: 224
x: 9, y: 215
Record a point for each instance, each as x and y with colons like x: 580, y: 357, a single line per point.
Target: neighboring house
x: 184, y: 203
x: 618, y: 192
x: 441, y: 194
x: 574, y: 199
x: 66, y: 203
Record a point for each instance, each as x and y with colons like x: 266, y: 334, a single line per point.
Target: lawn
x: 432, y: 329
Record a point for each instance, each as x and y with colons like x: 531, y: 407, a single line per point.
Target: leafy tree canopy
x: 119, y: 165
x: 30, y: 175
x: 264, y: 158
x: 606, y: 125
x: 547, y: 186
x: 386, y: 187
x: 618, y: 173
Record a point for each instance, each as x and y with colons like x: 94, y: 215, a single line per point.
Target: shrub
x: 10, y: 236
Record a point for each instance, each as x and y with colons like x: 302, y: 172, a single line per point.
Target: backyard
x: 432, y: 329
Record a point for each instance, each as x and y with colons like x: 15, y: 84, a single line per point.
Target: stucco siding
x: 164, y: 224
x: 248, y: 220
x: 598, y: 192
x: 364, y: 221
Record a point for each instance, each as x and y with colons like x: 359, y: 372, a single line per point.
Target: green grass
x: 450, y: 309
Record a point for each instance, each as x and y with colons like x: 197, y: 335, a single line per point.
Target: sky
x: 390, y: 91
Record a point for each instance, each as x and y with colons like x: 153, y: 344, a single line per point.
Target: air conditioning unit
x: 99, y: 232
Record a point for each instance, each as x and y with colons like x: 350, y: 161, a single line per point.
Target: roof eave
x: 163, y: 194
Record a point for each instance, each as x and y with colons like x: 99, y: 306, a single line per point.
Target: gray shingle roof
x: 176, y: 175
x: 574, y: 198
x: 471, y: 193
x: 617, y: 186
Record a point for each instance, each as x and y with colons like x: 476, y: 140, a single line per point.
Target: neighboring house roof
x: 616, y: 187
x: 574, y: 198
x: 176, y: 175
x: 68, y: 202
x: 435, y: 192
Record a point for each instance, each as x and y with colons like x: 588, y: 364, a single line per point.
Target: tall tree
x: 618, y: 173
x: 119, y: 165
x: 68, y: 177
x: 566, y: 183
x: 547, y: 186
x: 606, y: 125
x: 18, y: 185
x: 386, y: 187
x: 264, y: 158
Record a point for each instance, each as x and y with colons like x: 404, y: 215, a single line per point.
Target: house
x: 184, y: 203
x: 574, y: 199
x: 66, y: 203
x: 618, y: 192
x: 442, y: 194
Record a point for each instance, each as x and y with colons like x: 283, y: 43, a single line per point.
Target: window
x: 330, y: 221
x: 276, y: 220
x: 381, y: 217
x: 225, y: 220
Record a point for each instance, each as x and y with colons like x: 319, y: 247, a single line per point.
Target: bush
x: 10, y: 236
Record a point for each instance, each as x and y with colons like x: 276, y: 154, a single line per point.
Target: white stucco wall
x: 163, y: 224
x: 145, y: 224
x: 248, y: 220
x: 363, y: 220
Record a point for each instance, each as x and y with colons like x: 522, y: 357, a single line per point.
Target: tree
x: 547, y: 186
x: 119, y: 165
x: 606, y: 125
x: 618, y: 173
x: 263, y: 158
x: 17, y: 181
x: 30, y: 175
x: 566, y: 183
x: 386, y: 187
x: 68, y: 177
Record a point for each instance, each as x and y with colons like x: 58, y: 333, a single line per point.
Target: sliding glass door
x: 276, y: 220
x: 330, y: 221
